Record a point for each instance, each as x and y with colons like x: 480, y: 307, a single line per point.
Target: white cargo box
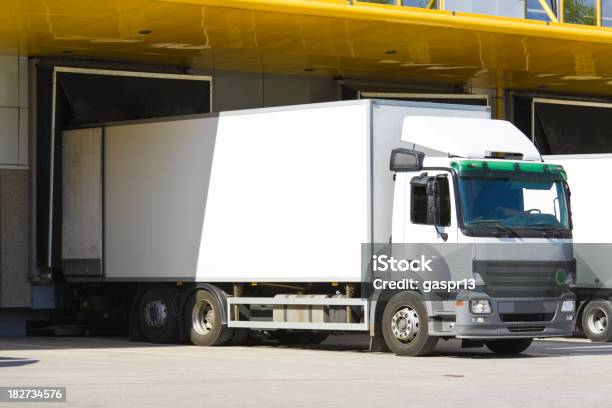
x: 281, y: 194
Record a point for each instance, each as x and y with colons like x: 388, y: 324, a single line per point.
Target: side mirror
x: 406, y: 160
x: 432, y: 189
x: 434, y: 206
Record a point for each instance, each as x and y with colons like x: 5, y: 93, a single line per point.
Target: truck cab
x: 475, y: 196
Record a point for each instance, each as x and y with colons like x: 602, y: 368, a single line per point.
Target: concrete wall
x: 13, y: 111
x: 14, y: 183
x: 14, y: 238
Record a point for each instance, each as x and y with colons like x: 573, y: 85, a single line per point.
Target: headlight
x: 568, y: 306
x: 480, y: 306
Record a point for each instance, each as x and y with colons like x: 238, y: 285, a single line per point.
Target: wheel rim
x: 598, y: 320
x: 156, y: 314
x: 203, y: 317
x: 405, y: 324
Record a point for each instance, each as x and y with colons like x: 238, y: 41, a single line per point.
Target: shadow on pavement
x: 16, y: 362
x: 335, y: 343
x: 51, y: 343
x: 452, y: 348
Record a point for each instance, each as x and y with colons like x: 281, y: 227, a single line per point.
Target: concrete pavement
x: 111, y: 372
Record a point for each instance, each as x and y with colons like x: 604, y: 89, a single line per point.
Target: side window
x: 420, y: 202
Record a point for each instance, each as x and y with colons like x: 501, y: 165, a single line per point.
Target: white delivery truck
x: 211, y: 226
x: 591, y: 209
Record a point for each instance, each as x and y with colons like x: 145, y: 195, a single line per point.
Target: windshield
x: 513, y: 203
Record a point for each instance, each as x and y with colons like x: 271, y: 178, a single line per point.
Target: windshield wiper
x: 500, y: 226
x: 548, y: 229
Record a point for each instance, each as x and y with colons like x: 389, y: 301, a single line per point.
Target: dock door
x: 69, y: 97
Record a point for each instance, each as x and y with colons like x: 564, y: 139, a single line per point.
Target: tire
x: 596, y: 320
x: 289, y: 338
x: 158, y: 315
x: 405, y: 326
x: 508, y: 346
x: 202, y: 319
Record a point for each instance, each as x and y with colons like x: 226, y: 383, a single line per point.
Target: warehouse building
x: 545, y: 65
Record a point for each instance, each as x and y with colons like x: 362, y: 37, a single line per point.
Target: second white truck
x: 591, y: 209
x: 204, y: 228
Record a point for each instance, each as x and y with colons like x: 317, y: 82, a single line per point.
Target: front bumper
x: 515, y: 318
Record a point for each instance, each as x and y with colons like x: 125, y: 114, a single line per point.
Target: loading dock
x: 289, y: 53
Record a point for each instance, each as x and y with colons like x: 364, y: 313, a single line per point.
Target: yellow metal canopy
x: 321, y: 37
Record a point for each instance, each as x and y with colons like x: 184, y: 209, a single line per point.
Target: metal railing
x: 585, y: 12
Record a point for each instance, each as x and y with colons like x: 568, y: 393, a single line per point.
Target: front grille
x: 525, y: 329
x: 521, y: 278
x: 526, y: 317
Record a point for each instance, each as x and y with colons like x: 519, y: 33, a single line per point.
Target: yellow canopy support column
x: 548, y: 11
x: 598, y: 5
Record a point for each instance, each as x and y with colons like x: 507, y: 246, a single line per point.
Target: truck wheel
x: 508, y: 346
x: 596, y: 323
x: 405, y: 326
x: 157, y: 315
x: 203, y: 320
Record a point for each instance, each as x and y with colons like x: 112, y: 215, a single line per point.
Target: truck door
x: 421, y: 235
x: 422, y: 224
